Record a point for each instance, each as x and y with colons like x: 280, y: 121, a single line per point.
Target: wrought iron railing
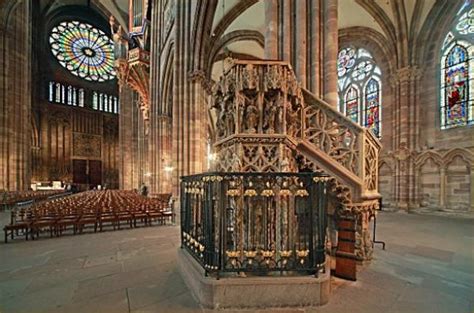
x: 258, y: 223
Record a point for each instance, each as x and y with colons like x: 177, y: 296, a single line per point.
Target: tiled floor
x: 428, y: 267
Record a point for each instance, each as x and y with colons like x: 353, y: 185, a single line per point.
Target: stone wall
x: 458, y: 185
x: 430, y: 183
x: 69, y: 133
x: 15, y: 94
x: 131, y: 174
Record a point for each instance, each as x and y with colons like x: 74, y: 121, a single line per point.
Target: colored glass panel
x: 352, y: 104
x: 466, y: 23
x: 457, y: 67
x: 372, y: 98
x: 456, y: 86
x: 84, y: 50
x: 346, y: 60
x: 360, y: 88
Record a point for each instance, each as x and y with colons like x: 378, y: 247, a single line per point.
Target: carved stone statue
x: 220, y: 115
x: 236, y: 163
x: 270, y: 114
x: 229, y: 116
x: 292, y: 122
x: 220, y: 125
x: 251, y: 116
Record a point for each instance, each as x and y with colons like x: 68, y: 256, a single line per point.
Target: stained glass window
x: 58, y: 93
x: 69, y: 95
x: 352, y: 104
x: 74, y: 96
x: 81, y: 97
x: 95, y: 104
x: 372, y: 104
x: 457, y: 67
x: 84, y: 50
x: 359, y: 88
x: 104, y: 102
x: 51, y: 91
x: 101, y: 106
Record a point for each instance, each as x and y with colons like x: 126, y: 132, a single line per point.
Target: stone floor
x: 428, y: 266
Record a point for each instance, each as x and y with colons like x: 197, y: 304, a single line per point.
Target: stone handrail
x: 332, y: 132
x: 352, y: 146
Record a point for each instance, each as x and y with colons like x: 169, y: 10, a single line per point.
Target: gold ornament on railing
x: 285, y: 255
x: 320, y: 179
x: 250, y: 256
x: 302, y: 254
x: 267, y: 256
x: 233, y: 256
x: 212, y: 178
x: 250, y: 192
x: 284, y: 192
x: 233, y: 192
x: 301, y: 192
x: 267, y: 192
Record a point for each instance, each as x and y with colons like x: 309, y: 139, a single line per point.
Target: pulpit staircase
x: 264, y: 121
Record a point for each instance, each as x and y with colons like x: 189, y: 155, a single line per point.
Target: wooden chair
x: 88, y: 218
x: 67, y: 219
x: 42, y: 221
x: 16, y: 225
x: 107, y: 217
x: 124, y: 216
x: 139, y: 215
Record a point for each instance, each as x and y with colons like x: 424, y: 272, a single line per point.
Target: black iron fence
x: 255, y: 222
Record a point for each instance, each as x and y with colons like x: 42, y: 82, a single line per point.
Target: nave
x: 425, y: 268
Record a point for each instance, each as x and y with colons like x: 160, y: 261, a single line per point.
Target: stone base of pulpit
x: 253, y: 292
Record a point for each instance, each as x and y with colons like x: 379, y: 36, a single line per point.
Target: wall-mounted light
x: 148, y: 174
x: 168, y: 169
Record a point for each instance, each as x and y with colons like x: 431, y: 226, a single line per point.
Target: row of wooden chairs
x: 10, y: 198
x: 89, y: 210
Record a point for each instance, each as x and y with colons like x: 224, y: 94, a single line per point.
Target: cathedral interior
x: 237, y: 155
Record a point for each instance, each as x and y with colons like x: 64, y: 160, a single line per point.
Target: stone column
x: 472, y: 187
x: 155, y: 92
x: 189, y: 100
x: 15, y: 99
x: 314, y: 13
x: 271, y: 33
x: 301, y: 41
x: 126, y: 144
x: 406, y: 130
x: 330, y: 51
x: 442, y: 187
x: 164, y: 158
x: 286, y: 31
